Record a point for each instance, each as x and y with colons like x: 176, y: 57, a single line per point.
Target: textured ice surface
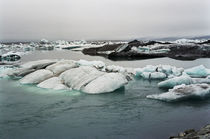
x: 105, y: 83
x: 77, y: 78
x: 97, y: 64
x: 170, y: 83
x: 53, y: 83
x: 36, y: 77
x: 198, y: 71
x: 39, y: 64
x: 182, y: 92
x: 61, y: 66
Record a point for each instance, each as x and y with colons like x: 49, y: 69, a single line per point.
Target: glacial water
x: 30, y: 112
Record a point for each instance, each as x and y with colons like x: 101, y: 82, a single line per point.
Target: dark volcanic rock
x: 203, y: 133
x: 176, y: 51
x: 205, y: 42
x: 95, y: 50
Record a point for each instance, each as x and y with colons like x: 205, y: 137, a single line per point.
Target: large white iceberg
x: 182, y: 92
x: 198, y: 71
x: 105, y: 83
x: 36, y: 77
x: 61, y: 66
x: 170, y: 83
x: 53, y: 83
x: 77, y: 78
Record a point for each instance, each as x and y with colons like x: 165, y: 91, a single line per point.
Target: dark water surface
x: 28, y: 112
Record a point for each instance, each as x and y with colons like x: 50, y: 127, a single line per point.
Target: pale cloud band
x: 102, y: 19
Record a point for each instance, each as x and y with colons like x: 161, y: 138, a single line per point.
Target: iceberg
x: 170, y: 83
x: 61, y: 66
x: 158, y: 72
x: 11, y: 56
x: 198, y: 71
x: 36, y: 77
x: 183, y: 91
x: 153, y: 75
x: 53, y: 83
x: 108, y: 82
x: 77, y: 78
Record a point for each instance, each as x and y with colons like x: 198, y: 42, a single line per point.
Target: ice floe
x: 183, y: 92
x: 198, y: 71
x: 170, y: 83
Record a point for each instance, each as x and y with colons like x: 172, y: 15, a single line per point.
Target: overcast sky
x: 102, y: 19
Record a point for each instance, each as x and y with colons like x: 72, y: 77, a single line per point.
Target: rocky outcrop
x: 152, y: 49
x: 203, y: 133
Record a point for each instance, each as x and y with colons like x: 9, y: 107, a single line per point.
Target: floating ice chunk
x: 36, y: 77
x: 150, y: 68
x: 170, y: 83
x: 77, y: 78
x: 4, y: 71
x: 53, y: 83
x: 201, y: 80
x: 40, y: 64
x: 105, y: 83
x: 97, y: 64
x: 113, y: 68
x: 62, y: 66
x: 138, y: 71
x: 198, y: 71
x: 153, y: 75
x: 177, y: 71
x: 11, y: 56
x: 183, y: 92
x: 44, y: 41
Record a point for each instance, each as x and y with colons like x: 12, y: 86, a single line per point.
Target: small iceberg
x: 170, y: 83
x: 198, y: 71
x: 183, y: 91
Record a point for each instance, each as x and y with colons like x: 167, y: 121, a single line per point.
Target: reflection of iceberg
x: 183, y: 92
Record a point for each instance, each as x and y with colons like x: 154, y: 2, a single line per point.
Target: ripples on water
x: 30, y: 112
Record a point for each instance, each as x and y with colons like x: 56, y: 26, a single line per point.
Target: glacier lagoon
x: 31, y: 112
